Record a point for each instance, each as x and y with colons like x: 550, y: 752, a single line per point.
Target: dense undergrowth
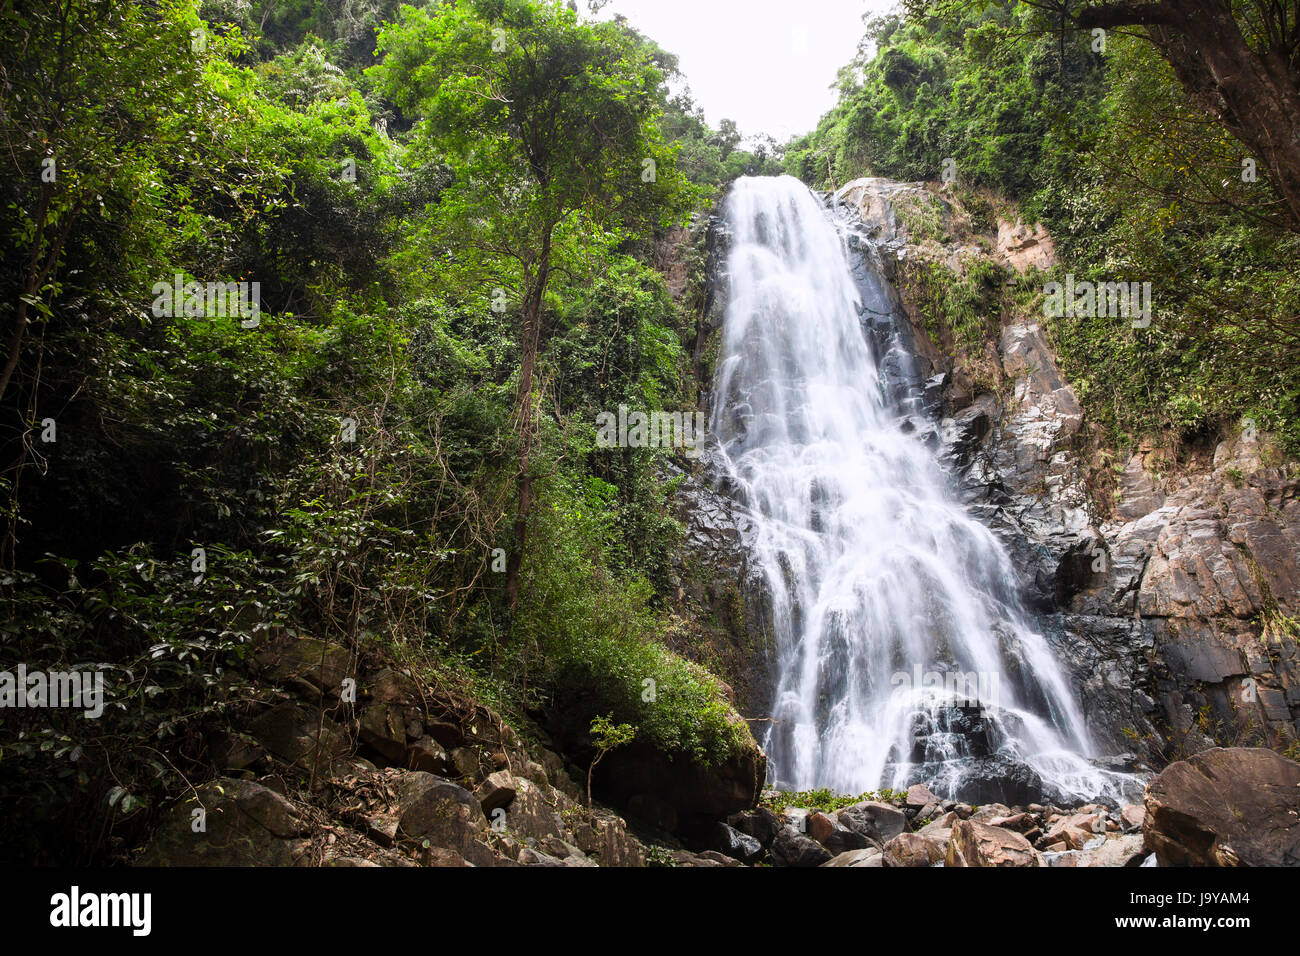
x: 1134, y: 182
x: 345, y: 466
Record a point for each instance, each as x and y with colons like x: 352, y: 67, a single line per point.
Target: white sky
x: 767, y: 64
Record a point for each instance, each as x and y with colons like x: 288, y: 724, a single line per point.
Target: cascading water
x: 904, y: 654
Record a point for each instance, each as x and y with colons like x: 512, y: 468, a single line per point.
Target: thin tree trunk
x: 31, y: 282
x: 534, y: 297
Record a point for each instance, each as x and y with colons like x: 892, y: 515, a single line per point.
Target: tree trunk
x: 534, y: 296
x: 1255, y: 94
x: 33, y: 279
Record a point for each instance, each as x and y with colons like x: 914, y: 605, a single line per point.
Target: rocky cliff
x: 1170, y: 590
x: 1167, y: 582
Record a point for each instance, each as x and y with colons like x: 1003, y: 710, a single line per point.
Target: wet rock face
x: 1160, y: 611
x: 719, y: 591
x: 1226, y: 807
x: 999, y: 779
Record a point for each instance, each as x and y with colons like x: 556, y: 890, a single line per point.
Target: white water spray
x: 877, y: 575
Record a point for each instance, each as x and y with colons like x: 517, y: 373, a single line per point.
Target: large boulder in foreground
x: 978, y: 844
x: 1226, y: 807
x: 792, y: 848
x: 229, y: 822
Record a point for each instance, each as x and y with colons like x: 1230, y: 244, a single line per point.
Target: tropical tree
x: 1239, y: 62
x: 551, y: 125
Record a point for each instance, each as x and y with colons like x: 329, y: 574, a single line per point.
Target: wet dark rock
x: 762, y: 824
x: 739, y: 846
x: 999, y: 779
x: 791, y: 848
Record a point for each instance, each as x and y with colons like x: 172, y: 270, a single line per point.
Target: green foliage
x: 346, y: 466
x: 1134, y: 182
x: 597, y: 636
x: 965, y: 307
x: 824, y: 800
x: 606, y: 735
x: 922, y: 92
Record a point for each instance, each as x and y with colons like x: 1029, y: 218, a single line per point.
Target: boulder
x: 998, y: 779
x: 1024, y: 247
x: 871, y: 856
x: 833, y: 835
x: 1226, y: 807
x: 427, y: 754
x: 557, y: 776
x: 1076, y: 831
x: 466, y: 763
x: 392, y: 705
x: 1132, y: 817
x: 977, y: 844
x: 300, y: 735
x: 731, y: 842
x: 940, y: 830
x: 943, y: 821
x: 318, y: 664
x: 232, y: 750
x: 566, y: 851
x: 919, y: 797
x: 876, y: 821
x: 446, y: 815
x: 604, y: 838
x: 912, y: 849
x: 497, y: 791
x: 792, y: 848
x: 535, y: 810
x: 239, y: 823
x: 1128, y: 850
x: 762, y: 824
x: 1020, y: 822
x: 989, y: 812
x: 692, y: 788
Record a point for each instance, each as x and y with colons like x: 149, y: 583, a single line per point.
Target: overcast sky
x: 767, y: 64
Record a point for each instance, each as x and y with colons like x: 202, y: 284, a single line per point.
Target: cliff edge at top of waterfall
x: 934, y: 221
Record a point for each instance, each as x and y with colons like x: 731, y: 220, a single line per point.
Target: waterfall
x: 903, y: 651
